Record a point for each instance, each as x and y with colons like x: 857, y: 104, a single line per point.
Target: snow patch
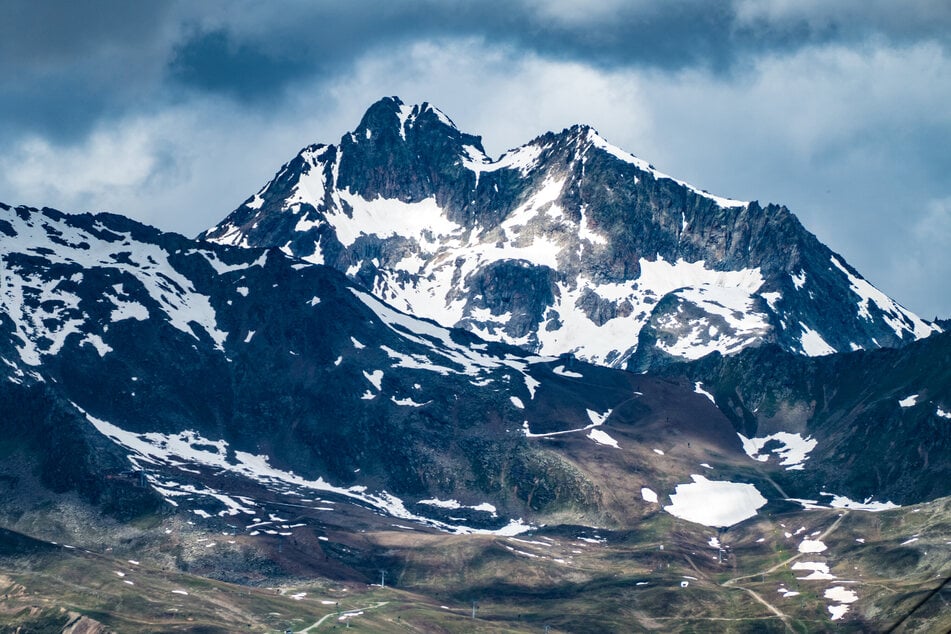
x: 842, y: 502
x: 96, y: 342
x: 602, y: 438
x: 898, y: 319
x: 812, y: 546
x: 561, y: 371
x: 793, y: 449
x: 819, y: 571
x: 375, y: 378
x: 715, y: 503
x: 813, y: 344
x: 698, y: 389
x: 909, y: 401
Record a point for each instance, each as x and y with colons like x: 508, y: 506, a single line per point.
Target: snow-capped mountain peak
x: 567, y: 244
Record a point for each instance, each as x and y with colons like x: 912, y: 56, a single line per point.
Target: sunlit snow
x: 602, y: 438
x: 715, y: 503
x: 812, y: 342
x: 812, y: 546
x: 819, y: 571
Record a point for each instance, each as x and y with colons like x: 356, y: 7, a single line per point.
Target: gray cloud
x: 66, y: 65
x: 105, y: 57
x: 258, y: 46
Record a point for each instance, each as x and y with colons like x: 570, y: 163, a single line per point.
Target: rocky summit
x: 566, y: 244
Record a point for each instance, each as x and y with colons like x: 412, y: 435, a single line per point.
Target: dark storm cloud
x: 236, y: 58
x: 66, y: 65
x: 36, y: 34
x: 268, y: 49
x: 214, y: 62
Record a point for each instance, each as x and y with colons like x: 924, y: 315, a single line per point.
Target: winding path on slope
x: 731, y: 583
x: 314, y: 626
x: 785, y: 562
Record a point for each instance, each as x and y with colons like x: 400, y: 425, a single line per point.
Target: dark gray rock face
x: 566, y: 244
x: 880, y: 418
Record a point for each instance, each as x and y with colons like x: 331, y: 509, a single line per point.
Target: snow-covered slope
x: 566, y: 244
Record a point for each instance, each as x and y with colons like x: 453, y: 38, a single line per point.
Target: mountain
x: 566, y: 244
x: 251, y: 364
x: 189, y: 425
x: 877, y: 420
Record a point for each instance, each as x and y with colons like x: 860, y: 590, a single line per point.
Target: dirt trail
x: 786, y: 562
x: 730, y: 583
x: 314, y: 626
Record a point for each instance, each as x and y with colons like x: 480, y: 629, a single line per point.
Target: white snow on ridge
x: 44, y: 313
x: 311, y: 186
x: 598, y: 141
x: 524, y: 159
x: 943, y: 414
x: 385, y: 217
x: 715, y: 503
x: 898, y: 319
x: 190, y: 448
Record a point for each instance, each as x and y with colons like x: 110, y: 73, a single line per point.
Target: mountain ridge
x: 413, y: 209
x: 244, y: 415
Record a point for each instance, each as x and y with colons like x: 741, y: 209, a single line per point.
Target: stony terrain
x: 213, y: 437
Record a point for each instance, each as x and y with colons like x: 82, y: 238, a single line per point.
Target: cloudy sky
x: 175, y: 112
